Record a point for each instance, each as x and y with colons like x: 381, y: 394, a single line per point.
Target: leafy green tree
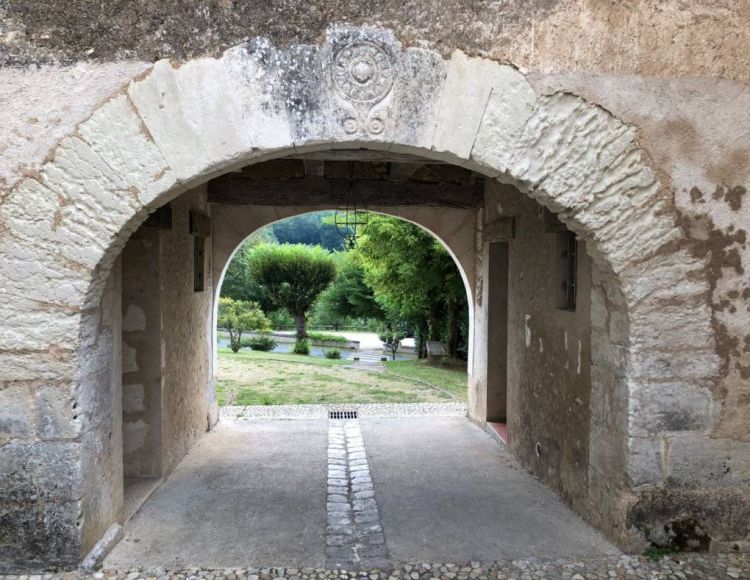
x: 348, y: 297
x: 238, y: 316
x: 292, y: 276
x: 414, y: 279
x: 238, y: 284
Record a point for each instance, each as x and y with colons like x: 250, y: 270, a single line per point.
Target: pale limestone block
x: 645, y: 460
x: 119, y: 136
x: 171, y: 123
x: 16, y: 417
x: 94, y: 199
x: 657, y: 407
x: 134, y: 319
x: 416, y: 99
x: 689, y: 365
x: 695, y: 460
x: 673, y: 326
x: 24, y: 328
x: 566, y: 147
x: 133, y: 397
x: 35, y: 277
x: 260, y: 120
x: 57, y: 418
x: 510, y: 105
x: 36, y: 216
x: 471, y: 85
x: 665, y: 276
x: 44, y: 365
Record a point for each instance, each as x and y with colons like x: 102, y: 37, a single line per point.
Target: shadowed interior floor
x: 253, y: 493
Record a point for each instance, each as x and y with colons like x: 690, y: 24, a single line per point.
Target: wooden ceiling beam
x: 234, y: 189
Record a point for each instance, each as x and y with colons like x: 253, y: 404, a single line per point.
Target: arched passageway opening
x: 530, y: 329
x: 170, y: 134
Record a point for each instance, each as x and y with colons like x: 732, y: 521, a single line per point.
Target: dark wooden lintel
x: 235, y: 189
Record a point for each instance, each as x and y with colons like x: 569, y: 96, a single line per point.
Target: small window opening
x: 569, y: 263
x: 199, y: 263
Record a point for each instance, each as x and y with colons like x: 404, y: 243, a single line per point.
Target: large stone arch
x: 178, y: 126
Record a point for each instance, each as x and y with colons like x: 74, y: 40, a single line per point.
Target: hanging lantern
x: 350, y: 218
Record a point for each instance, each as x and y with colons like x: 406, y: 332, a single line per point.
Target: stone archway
x: 178, y: 126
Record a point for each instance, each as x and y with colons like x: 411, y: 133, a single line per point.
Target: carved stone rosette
x: 363, y: 75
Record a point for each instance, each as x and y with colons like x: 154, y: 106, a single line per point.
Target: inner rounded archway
x: 396, y: 309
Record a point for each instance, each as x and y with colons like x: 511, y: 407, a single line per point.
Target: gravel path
x: 364, y: 410
x: 683, y: 566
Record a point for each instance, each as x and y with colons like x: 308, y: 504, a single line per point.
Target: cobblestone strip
x: 364, y: 410
x: 354, y: 535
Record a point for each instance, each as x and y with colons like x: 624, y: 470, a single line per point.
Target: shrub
x: 334, y: 353
x: 264, y: 343
x: 302, y: 346
x: 325, y: 337
x: 238, y: 316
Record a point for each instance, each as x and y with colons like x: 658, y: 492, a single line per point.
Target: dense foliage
x: 415, y: 281
x: 292, y: 277
x: 398, y: 279
x: 310, y: 229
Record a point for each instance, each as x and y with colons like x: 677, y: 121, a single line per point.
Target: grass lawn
x: 452, y: 380
x: 262, y: 378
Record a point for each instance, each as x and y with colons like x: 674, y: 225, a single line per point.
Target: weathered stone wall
x: 187, y: 333
x: 99, y: 399
x: 549, y: 353
x: 689, y: 37
x: 674, y: 354
x: 142, y: 361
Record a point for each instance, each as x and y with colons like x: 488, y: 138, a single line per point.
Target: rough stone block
x: 254, y: 81
x: 168, y: 117
x: 416, y: 100
x: 656, y: 407
x: 40, y: 471
x: 476, y: 88
x: 57, y: 414
x: 645, y: 461
x: 16, y: 417
x: 118, y: 135
x: 698, y: 461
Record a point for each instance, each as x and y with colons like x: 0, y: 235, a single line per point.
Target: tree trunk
x: 454, y: 330
x: 301, y: 324
x: 435, y: 317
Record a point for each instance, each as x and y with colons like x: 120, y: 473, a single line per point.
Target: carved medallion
x: 363, y: 72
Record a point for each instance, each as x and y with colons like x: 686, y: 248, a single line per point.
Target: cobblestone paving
x: 354, y: 535
x: 680, y: 567
x: 364, y: 410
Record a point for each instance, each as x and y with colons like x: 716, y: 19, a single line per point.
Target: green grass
x: 283, y: 357
x: 452, y: 380
x: 264, y: 378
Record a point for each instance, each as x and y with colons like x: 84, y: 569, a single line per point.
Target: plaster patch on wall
x: 134, y: 435
x: 578, y: 370
x: 135, y: 319
x: 133, y: 398
x: 527, y: 329
x: 129, y: 363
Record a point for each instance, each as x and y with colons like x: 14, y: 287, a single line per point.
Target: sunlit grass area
x: 262, y: 378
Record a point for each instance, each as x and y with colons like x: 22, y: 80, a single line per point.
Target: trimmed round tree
x: 293, y: 276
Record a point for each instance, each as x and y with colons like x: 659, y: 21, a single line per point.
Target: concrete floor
x: 448, y: 492
x: 253, y: 493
